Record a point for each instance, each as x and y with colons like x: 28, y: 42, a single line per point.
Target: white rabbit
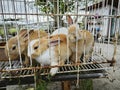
x: 64, y: 30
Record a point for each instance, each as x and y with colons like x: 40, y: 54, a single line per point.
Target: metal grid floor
x: 25, y: 75
x: 30, y: 71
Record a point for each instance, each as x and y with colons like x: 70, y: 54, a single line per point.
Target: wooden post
x: 66, y: 85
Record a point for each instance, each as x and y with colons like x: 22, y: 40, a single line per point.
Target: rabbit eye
x: 36, y: 47
x: 14, y: 47
x: 75, y: 37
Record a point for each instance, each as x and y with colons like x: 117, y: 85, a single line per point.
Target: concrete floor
x: 107, y: 84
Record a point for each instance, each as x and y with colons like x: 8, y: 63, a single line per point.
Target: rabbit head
x: 15, y: 44
x: 38, y: 46
x: 74, y: 33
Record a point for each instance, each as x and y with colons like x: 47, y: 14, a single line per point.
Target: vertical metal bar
x: 35, y: 78
x: 103, y: 22
x: 93, y: 24
x: 91, y: 27
x: 98, y: 19
x: 84, y: 35
x: 18, y: 38
x: 5, y: 31
x: 118, y: 13
x: 116, y: 37
x: 77, y: 84
x: 86, y: 9
x: 49, y: 33
x: 21, y: 10
x: 89, y: 20
x: 26, y: 17
x: 118, y: 22
x: 38, y: 21
x: 8, y: 3
x: 67, y: 35
x: 59, y: 51
x: 109, y: 31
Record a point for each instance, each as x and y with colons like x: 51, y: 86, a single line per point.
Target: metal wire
x: 5, y: 32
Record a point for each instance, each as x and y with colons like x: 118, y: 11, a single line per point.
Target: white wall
x: 101, y: 11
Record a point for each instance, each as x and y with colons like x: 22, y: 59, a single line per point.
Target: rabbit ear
x: 25, y: 37
x: 24, y: 34
x: 54, y: 42
x: 69, y: 19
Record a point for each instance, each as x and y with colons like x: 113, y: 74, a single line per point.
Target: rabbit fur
x: 62, y: 30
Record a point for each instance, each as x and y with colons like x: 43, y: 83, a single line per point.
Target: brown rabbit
x: 50, y: 51
x: 13, y: 46
x: 84, y: 41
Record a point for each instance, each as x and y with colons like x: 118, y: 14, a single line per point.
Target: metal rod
x: 74, y: 76
x: 5, y: 31
x: 30, y: 80
x: 109, y: 16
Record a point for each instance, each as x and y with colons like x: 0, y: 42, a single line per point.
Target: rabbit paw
x: 53, y: 71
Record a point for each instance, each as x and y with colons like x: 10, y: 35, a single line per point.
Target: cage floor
x: 15, y: 72
x: 26, y: 75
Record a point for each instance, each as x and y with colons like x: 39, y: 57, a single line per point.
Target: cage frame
x: 102, y: 72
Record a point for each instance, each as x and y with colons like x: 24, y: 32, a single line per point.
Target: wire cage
x: 100, y: 18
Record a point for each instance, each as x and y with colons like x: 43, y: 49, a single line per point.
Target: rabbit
x: 12, y: 45
x: 84, y: 40
x: 64, y: 30
x: 50, y: 51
